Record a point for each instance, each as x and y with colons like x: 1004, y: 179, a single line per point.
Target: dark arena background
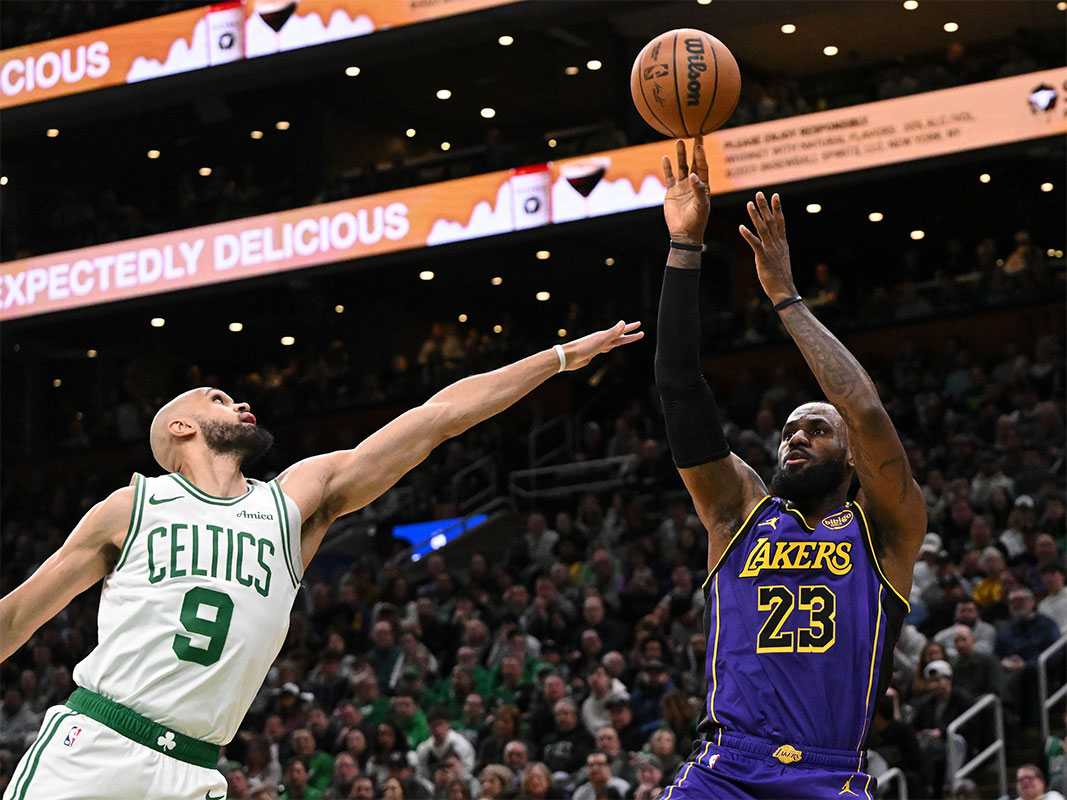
x: 333, y: 209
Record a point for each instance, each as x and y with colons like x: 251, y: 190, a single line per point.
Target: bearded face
x: 247, y: 441
x: 810, y: 481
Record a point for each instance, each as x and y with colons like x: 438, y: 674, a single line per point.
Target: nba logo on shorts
x: 72, y: 734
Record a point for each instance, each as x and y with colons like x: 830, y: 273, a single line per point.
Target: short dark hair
x: 1052, y: 565
x: 438, y: 713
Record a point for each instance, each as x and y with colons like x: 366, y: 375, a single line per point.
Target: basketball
x: 685, y: 83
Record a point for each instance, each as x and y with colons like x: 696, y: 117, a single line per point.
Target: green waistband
x: 143, y: 731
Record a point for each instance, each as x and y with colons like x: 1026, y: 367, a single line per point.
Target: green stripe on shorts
x: 33, y: 757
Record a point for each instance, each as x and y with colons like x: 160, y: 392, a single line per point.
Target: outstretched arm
x: 328, y: 486
x: 723, y: 487
x: 86, y: 557
x: 888, y: 490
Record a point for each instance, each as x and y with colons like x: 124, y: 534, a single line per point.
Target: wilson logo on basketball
x: 838, y: 520
x: 695, y: 59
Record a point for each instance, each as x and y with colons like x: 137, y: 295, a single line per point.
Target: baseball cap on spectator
x: 1024, y: 501
x: 615, y: 702
x: 931, y: 544
x: 411, y: 672
x: 655, y: 665
x: 939, y: 668
x: 396, y: 759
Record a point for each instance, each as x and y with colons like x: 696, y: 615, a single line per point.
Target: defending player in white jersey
x: 200, y: 569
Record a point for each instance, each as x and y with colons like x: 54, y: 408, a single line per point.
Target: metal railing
x: 562, y: 480
x: 954, y: 771
x: 1046, y: 702
x: 889, y: 777
x: 486, y: 468
x: 560, y: 426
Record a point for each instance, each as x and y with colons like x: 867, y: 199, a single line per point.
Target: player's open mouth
x: 248, y: 417
x: 796, y: 458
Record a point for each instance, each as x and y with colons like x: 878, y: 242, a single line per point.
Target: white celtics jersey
x: 197, y: 606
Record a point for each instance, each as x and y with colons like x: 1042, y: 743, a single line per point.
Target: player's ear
x: 182, y: 427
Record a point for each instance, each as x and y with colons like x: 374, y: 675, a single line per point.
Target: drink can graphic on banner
x: 226, y: 32
x: 531, y: 196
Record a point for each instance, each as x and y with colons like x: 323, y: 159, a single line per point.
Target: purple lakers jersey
x: 801, y: 624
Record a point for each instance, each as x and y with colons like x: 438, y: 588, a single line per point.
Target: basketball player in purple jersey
x: 806, y: 590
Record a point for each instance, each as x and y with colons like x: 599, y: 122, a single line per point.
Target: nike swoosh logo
x: 210, y: 796
x: 154, y: 502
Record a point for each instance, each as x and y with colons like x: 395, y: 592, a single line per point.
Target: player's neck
x: 815, y: 510
x: 214, y: 473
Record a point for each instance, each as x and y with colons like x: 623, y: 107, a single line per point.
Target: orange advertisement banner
x: 848, y: 139
x: 198, y: 38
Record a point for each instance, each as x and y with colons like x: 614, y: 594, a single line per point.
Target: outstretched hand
x: 770, y: 246
x: 686, y: 204
x: 581, y: 351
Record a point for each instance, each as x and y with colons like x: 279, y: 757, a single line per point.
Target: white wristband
x: 562, y: 356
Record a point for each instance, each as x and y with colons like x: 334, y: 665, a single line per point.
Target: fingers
x: 757, y: 218
x: 683, y: 163
x: 751, y: 238
x: 668, y: 173
x: 779, y: 217
x: 700, y: 159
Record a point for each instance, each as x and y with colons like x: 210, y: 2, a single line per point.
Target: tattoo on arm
x: 905, y: 475
x: 839, y: 373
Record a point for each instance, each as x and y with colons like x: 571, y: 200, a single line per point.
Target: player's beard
x: 813, y: 482
x: 247, y: 441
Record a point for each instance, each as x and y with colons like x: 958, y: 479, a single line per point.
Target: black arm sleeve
x: 694, y: 428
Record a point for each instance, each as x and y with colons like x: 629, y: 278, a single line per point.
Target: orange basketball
x: 685, y: 83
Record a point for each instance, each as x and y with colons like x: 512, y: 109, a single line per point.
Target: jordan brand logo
x: 773, y: 522
x: 846, y: 790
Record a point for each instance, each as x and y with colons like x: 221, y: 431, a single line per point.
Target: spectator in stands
x: 409, y: 719
x: 602, y: 689
x: 497, y: 782
x: 319, y: 765
x: 1054, y: 604
x: 653, y: 683
x: 1019, y: 643
x: 976, y: 672
x: 517, y: 757
x: 384, y: 655
x: 443, y: 741
x: 363, y: 788
x: 345, y: 772
x: 990, y: 591
x: 1030, y: 782
x: 540, y: 541
x: 503, y: 729
x: 537, y: 782
x: 932, y: 716
x: 966, y: 614
x: 237, y: 787
x: 566, y: 747
x: 389, y: 740
x: 622, y: 720
x: 541, y: 720
x: 598, y: 765
x: 295, y: 782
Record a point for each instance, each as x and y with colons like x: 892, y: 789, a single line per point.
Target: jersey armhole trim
x: 283, y: 524
x: 741, y: 531
x: 869, y: 544
x: 135, y: 519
